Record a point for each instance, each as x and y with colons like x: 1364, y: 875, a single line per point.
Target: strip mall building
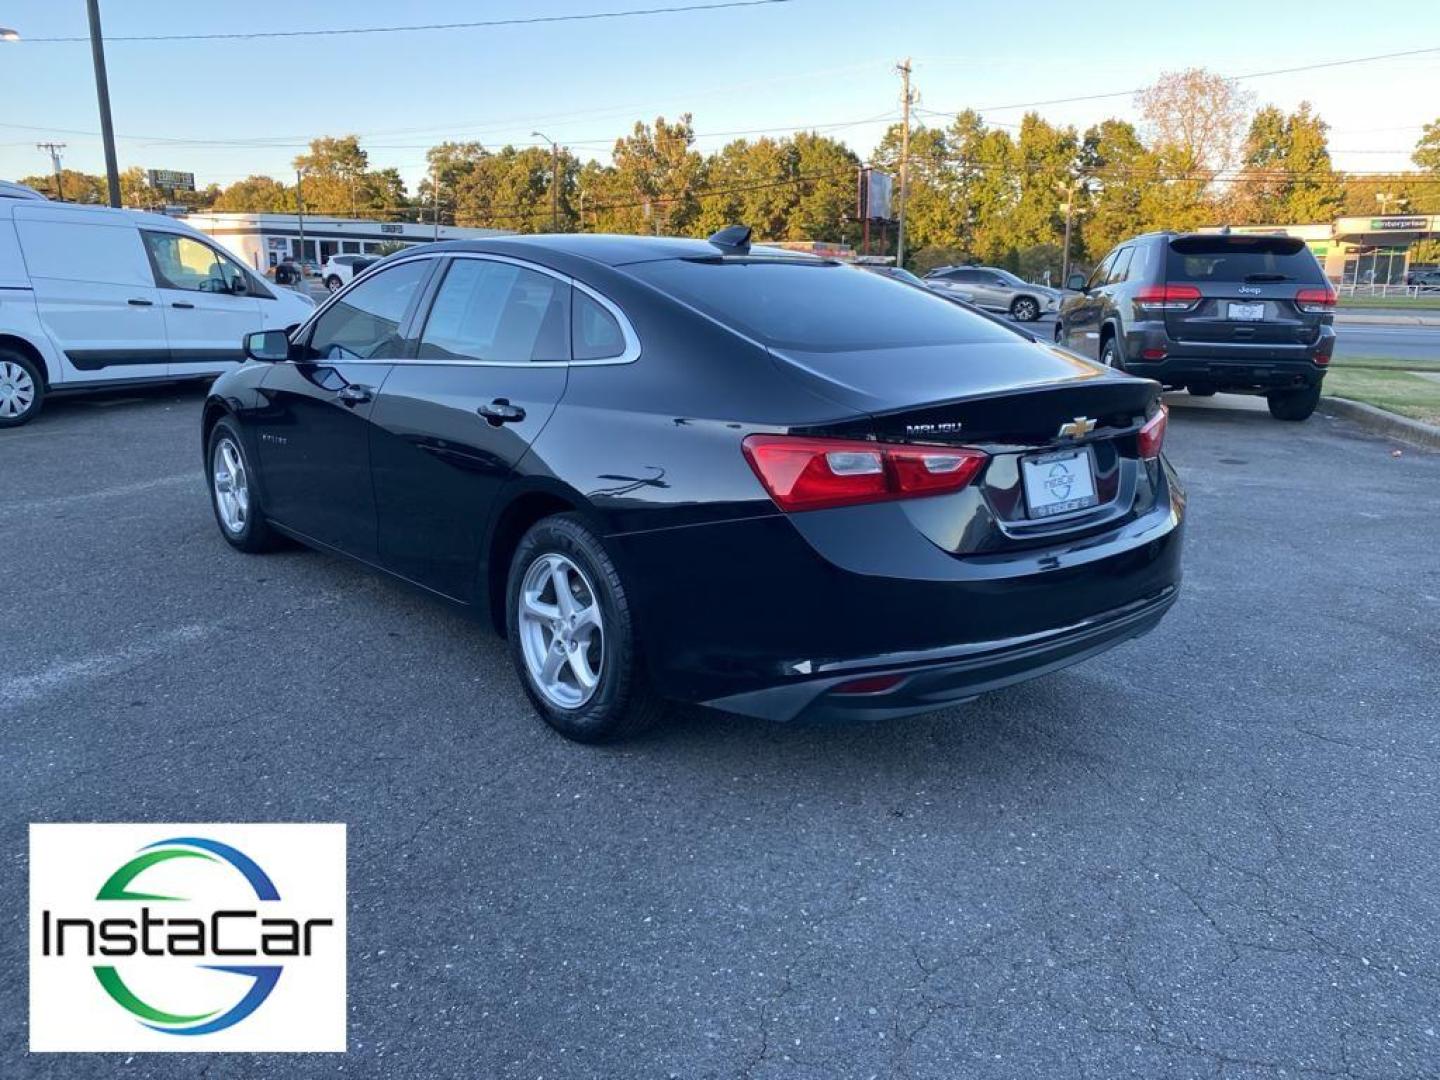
x: 1360, y: 250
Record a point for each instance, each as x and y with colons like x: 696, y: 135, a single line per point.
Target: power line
x: 1229, y: 78
x: 532, y: 20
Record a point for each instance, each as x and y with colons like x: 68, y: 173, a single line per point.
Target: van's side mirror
x: 267, y: 346
x: 1075, y: 283
x: 239, y: 285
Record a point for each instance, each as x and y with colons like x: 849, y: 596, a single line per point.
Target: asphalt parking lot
x: 1209, y: 853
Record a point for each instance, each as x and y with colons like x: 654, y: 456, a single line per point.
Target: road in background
x: 1210, y: 852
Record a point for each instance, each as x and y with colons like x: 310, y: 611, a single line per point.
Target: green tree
x: 74, y: 186
x: 338, y: 181
x: 1113, y: 163
x: 651, y: 185
x: 1427, y: 148
x: 931, y: 216
x: 256, y: 195
x: 1287, y: 176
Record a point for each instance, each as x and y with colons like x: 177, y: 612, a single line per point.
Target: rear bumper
x: 947, y: 676
x: 1228, y: 366
x: 768, y: 615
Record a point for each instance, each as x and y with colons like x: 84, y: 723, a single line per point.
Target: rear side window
x: 1241, y: 258
x: 497, y: 312
x: 817, y: 307
x: 83, y: 251
x: 596, y: 334
x: 365, y: 323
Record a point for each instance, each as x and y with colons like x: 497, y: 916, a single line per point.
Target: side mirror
x: 239, y: 286
x: 267, y: 346
x: 1075, y: 283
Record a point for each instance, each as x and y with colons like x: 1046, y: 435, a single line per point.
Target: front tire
x: 571, y: 635
x: 1293, y: 405
x: 1025, y: 309
x: 22, y: 388
x: 233, y: 492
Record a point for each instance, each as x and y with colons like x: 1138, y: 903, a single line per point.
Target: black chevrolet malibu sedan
x: 759, y: 481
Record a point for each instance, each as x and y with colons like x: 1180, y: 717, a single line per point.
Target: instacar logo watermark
x: 187, y: 937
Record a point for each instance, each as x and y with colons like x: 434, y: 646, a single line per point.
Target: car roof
x: 612, y: 250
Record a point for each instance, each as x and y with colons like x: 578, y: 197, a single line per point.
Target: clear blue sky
x: 807, y: 63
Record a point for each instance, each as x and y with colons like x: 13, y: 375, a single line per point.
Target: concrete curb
x: 1391, y: 425
x: 1398, y: 319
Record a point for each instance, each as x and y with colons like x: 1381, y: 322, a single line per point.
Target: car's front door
x: 1080, y: 321
x: 206, y: 317
x: 312, y: 432
x: 451, y: 424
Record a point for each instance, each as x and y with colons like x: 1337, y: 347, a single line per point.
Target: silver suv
x: 995, y: 290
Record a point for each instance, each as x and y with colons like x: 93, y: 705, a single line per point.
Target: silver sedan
x: 995, y: 290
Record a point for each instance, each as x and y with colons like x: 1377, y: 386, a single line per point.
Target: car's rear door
x: 1244, y: 291
x: 452, y: 422
x: 313, y: 433
x: 94, y: 294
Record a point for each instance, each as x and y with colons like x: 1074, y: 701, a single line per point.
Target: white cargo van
x: 92, y: 298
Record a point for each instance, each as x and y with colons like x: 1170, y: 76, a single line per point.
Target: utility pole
x: 435, y: 190
x: 102, y: 90
x: 554, y: 179
x: 904, y: 68
x: 53, y: 149
x: 300, y: 215
x: 1069, y: 192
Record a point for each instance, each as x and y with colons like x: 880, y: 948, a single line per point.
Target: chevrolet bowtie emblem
x: 1077, y: 428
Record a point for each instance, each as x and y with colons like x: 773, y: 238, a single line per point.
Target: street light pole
x: 554, y: 179
x: 102, y: 90
x: 1069, y: 192
x: 53, y: 149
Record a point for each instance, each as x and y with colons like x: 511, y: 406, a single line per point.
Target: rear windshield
x: 1241, y: 258
x: 818, y: 307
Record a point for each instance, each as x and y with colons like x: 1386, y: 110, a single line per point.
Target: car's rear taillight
x: 1152, y: 435
x: 1167, y: 297
x: 1316, y: 301
x: 802, y: 473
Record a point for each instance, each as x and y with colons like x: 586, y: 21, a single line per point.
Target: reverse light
x: 1167, y: 297
x: 1152, y: 435
x: 1316, y: 301
x: 802, y: 473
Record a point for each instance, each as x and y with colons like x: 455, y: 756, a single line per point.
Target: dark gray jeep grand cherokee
x: 1249, y: 314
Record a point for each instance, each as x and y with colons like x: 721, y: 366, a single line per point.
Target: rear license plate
x: 1058, y: 483
x: 1246, y: 312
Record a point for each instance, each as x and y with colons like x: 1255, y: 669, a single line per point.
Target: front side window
x: 365, y: 323
x: 1101, y: 272
x: 596, y: 334
x: 499, y: 313
x: 183, y: 263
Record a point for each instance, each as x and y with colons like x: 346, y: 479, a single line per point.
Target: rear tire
x: 1025, y: 309
x: 1110, y: 353
x: 1293, y: 404
x: 234, y: 494
x: 22, y: 388
x: 612, y: 700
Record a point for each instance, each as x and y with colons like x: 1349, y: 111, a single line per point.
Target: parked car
x: 695, y: 470
x: 1209, y: 312
x: 996, y: 290
x: 340, y: 270
x: 1427, y: 280
x: 95, y: 297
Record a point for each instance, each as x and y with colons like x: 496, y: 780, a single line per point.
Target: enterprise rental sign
x: 187, y: 937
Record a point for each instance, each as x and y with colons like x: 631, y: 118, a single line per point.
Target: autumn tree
x: 1427, y: 148
x: 1286, y: 175
x: 256, y: 195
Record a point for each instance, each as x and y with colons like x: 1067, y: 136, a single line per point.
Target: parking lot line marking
x: 52, y: 502
x: 21, y: 689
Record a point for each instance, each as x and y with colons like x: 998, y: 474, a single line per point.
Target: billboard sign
x: 171, y: 180
x: 1399, y: 224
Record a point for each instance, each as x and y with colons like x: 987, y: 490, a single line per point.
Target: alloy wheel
x: 1026, y: 310
x: 17, y: 390
x: 562, y: 633
x: 232, y: 486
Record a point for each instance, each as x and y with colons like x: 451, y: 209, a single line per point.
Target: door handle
x: 181, y: 304
x: 355, y: 394
x: 500, y: 411
x: 140, y: 303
